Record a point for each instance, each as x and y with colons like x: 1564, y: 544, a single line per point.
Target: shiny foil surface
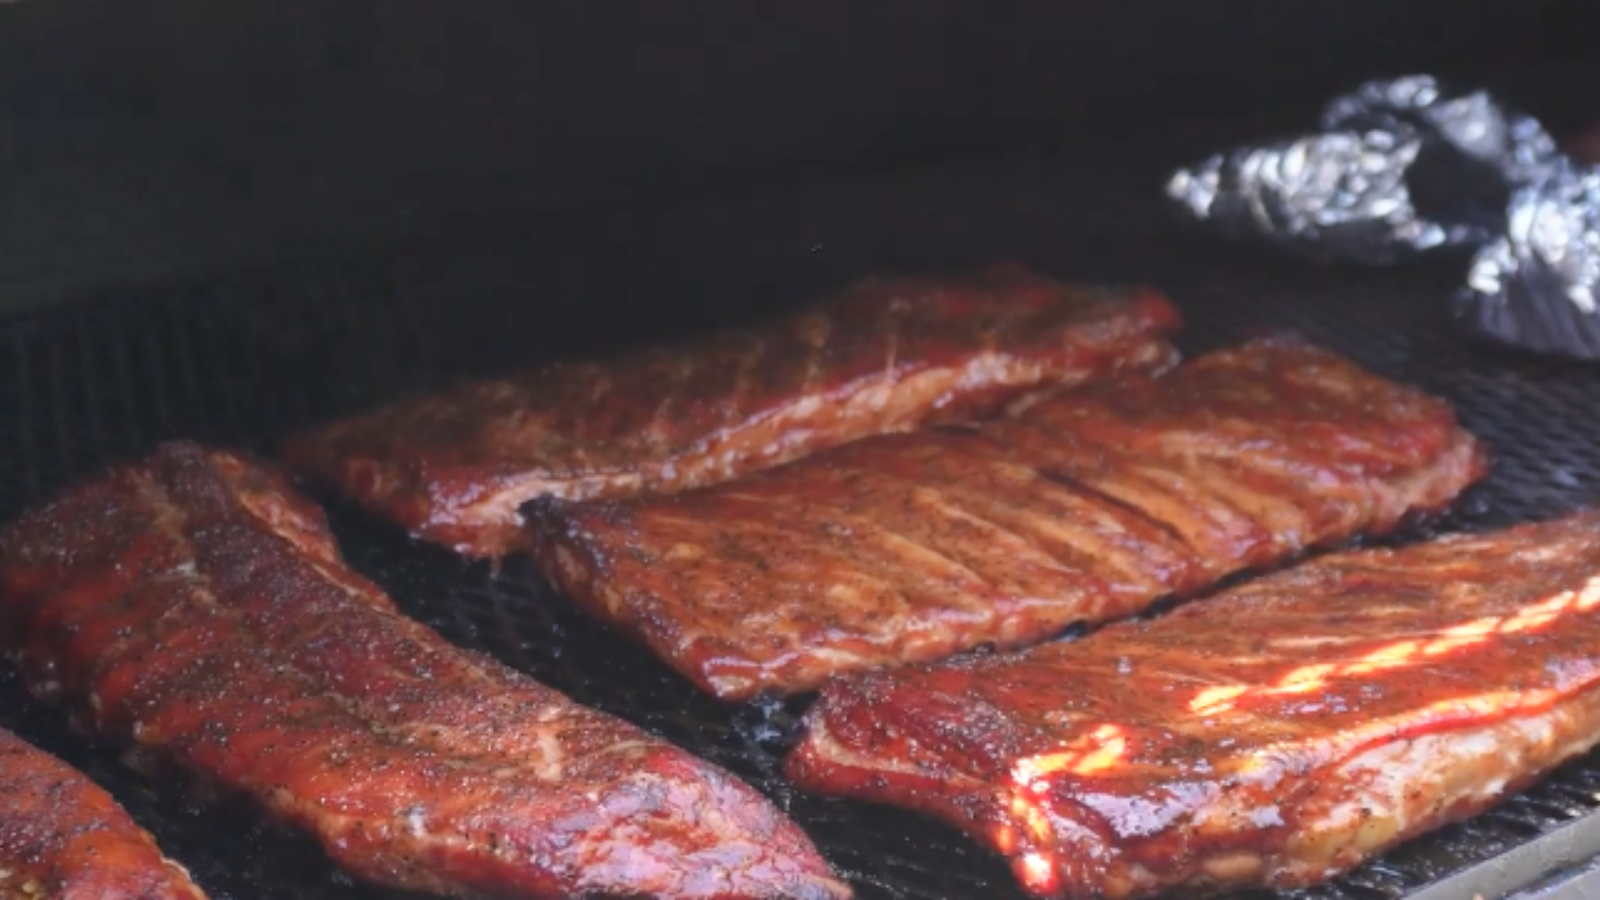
x: 1398, y: 168
x: 1536, y: 285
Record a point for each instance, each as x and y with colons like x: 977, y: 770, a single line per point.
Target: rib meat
x: 1275, y: 735
x: 194, y: 604
x: 1086, y: 507
x: 886, y: 356
x: 62, y: 836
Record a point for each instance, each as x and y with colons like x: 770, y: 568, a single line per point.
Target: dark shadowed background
x: 148, y: 141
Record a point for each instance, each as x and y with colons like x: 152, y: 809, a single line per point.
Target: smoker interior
x: 244, y: 360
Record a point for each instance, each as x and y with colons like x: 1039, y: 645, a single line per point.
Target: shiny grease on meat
x: 63, y: 836
x: 887, y: 355
x: 1277, y: 734
x: 1086, y: 507
x: 195, y: 605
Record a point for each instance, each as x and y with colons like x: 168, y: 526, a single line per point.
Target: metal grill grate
x: 242, y: 363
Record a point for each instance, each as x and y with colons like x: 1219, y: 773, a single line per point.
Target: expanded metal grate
x: 242, y: 363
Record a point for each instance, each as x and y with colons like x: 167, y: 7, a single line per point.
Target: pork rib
x: 888, y: 355
x: 1086, y: 507
x: 1275, y: 735
x: 194, y: 604
x: 61, y: 835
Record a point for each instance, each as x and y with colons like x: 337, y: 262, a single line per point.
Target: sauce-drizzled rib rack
x: 1088, y: 506
x: 62, y: 835
x: 887, y: 355
x: 194, y: 604
x: 1277, y: 734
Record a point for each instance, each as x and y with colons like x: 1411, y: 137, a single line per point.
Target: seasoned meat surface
x: 193, y: 604
x: 62, y: 836
x: 1085, y: 507
x: 1277, y: 734
x: 888, y: 355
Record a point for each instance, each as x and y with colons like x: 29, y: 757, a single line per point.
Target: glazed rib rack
x: 246, y: 362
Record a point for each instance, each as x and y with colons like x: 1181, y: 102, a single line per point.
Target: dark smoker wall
x: 144, y: 140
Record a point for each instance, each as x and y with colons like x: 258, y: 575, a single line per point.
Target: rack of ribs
x: 61, y: 835
x: 193, y: 604
x: 887, y: 355
x: 1088, y: 506
x: 1275, y: 735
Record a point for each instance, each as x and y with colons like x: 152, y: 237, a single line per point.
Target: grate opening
x: 243, y: 363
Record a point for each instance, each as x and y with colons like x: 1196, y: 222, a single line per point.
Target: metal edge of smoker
x: 1564, y: 865
x: 1559, y: 865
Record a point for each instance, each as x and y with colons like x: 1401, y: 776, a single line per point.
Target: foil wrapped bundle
x: 1394, y: 169
x: 1538, y: 285
x: 1398, y: 168
x: 1326, y: 196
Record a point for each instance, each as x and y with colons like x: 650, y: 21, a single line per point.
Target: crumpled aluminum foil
x: 1327, y: 196
x: 1397, y: 168
x: 1538, y: 285
x: 1513, y: 144
x: 1402, y: 167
